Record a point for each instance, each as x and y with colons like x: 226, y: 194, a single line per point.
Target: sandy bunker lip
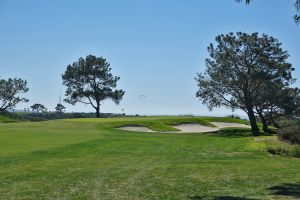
x: 230, y: 125
x: 190, y: 128
x: 136, y: 128
x: 194, y: 128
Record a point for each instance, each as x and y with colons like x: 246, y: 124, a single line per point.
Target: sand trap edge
x: 136, y: 129
x: 186, y: 128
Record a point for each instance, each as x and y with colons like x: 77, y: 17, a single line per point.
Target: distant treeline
x: 23, y: 116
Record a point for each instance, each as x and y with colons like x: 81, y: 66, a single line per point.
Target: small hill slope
x: 4, y: 119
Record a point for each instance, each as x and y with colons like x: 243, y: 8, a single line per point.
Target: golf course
x: 149, y: 100
x: 93, y: 159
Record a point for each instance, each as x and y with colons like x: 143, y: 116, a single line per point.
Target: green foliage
x: 279, y: 101
x: 90, y: 81
x: 9, y: 91
x: 279, y: 149
x: 295, y: 152
x: 60, y: 108
x: 284, y: 150
x: 234, y: 116
x: 290, y: 133
x: 241, y: 74
x: 38, y: 107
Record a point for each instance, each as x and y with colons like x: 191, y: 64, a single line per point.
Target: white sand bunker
x: 230, y: 125
x: 189, y: 128
x: 197, y: 128
x: 136, y: 128
x: 194, y: 128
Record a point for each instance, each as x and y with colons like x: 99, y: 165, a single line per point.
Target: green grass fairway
x: 88, y: 159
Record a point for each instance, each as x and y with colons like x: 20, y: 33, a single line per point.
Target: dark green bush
x: 278, y: 150
x: 290, y: 134
x: 234, y: 116
x: 284, y: 150
x: 295, y: 152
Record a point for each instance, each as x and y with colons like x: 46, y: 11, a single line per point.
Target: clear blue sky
x: 155, y: 46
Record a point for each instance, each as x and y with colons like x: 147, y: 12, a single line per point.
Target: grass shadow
x: 237, y: 132
x: 287, y: 190
x: 219, y: 198
x: 233, y: 132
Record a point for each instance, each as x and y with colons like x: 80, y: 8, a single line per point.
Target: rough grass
x: 4, y: 119
x: 187, y: 120
x: 277, y: 147
x: 88, y: 159
x: 233, y: 132
x: 225, y: 119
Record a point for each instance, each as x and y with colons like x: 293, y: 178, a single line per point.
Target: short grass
x: 88, y: 159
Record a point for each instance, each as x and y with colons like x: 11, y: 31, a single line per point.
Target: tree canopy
x: 90, y: 81
x: 296, y: 4
x: 60, y: 108
x: 277, y: 101
x: 37, y: 107
x: 243, y: 72
x: 9, y: 91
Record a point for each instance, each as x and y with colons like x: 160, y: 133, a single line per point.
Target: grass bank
x: 4, y: 119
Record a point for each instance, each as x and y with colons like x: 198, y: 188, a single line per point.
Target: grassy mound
x: 153, y: 125
x: 225, y: 119
x: 187, y: 120
x: 4, y: 119
x: 165, y: 124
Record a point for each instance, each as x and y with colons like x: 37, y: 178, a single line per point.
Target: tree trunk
x: 264, y: 123
x: 98, y: 109
x: 254, y: 128
x: 98, y: 112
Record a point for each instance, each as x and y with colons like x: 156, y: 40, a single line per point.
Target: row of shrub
x: 284, y: 150
x: 289, y: 139
x: 289, y: 131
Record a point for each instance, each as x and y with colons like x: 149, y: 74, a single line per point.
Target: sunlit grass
x: 88, y: 159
